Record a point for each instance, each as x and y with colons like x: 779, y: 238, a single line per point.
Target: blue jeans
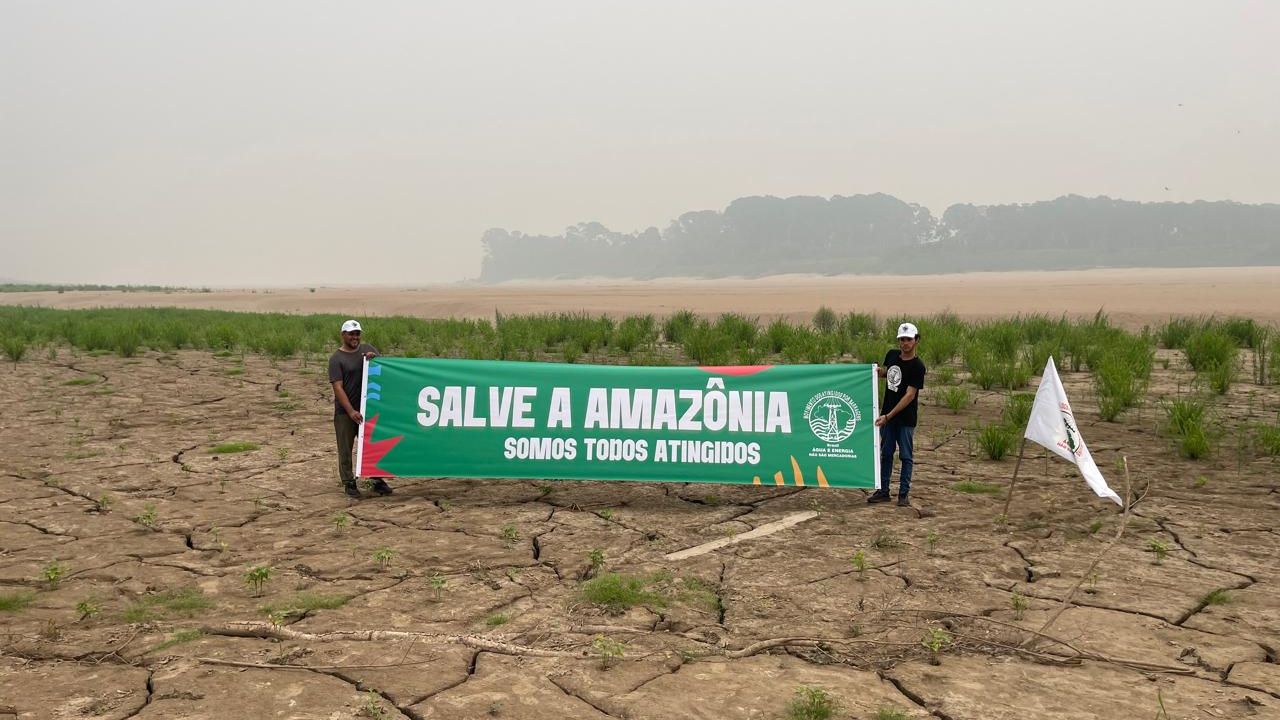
x: 900, y: 437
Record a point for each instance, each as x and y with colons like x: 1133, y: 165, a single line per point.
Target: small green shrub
x: 812, y: 703
x: 1159, y: 549
x: 257, y: 578
x: 609, y: 650
x: 825, y: 320
x: 497, y: 619
x: 996, y: 440
x: 955, y: 398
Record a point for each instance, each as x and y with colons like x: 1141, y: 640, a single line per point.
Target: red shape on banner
x: 735, y: 370
x: 375, y: 451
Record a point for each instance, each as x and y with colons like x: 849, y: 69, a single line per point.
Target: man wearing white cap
x: 904, y: 379
x: 346, y: 374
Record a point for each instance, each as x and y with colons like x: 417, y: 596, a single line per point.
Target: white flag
x: 1054, y: 426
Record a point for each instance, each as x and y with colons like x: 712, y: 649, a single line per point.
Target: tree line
x: 880, y: 234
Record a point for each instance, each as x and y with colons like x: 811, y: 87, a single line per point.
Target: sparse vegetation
x: 52, y: 574
x: 179, y: 637
x: 340, y: 521
x: 305, y: 603
x: 812, y: 703
x: 610, y: 651
x: 438, y: 583
x: 955, y: 398
x: 975, y: 487
x: 87, y: 608
x: 1019, y: 603
x: 1216, y: 597
x: 859, y: 560
x: 996, y: 440
x: 257, y: 577
x: 1159, y: 550
x: 884, y: 539
x: 13, y: 602
x: 617, y: 593
x: 510, y: 536
x: 148, y: 517
x: 184, y: 602
x: 233, y: 447
x: 936, y: 640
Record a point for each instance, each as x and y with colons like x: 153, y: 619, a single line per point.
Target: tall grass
x: 1185, y: 420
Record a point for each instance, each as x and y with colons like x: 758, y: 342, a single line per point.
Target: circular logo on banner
x: 832, y: 416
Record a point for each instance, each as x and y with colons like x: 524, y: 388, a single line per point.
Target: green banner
x: 807, y: 425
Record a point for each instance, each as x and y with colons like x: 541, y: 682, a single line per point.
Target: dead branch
x: 1124, y: 523
x: 273, y: 632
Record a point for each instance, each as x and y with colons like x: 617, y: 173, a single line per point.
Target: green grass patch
x: 233, y: 447
x: 15, y: 601
x: 178, y: 638
x: 617, y: 593
x: 305, y: 603
x: 701, y: 594
x: 812, y: 703
x: 1268, y: 439
x: 82, y: 381
x: 186, y: 602
x: 973, y: 487
x: 497, y: 619
x: 955, y: 398
x: 1216, y: 597
x: 996, y: 440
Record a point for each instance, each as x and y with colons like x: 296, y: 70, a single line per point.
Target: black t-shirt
x: 899, y: 375
x: 349, y: 368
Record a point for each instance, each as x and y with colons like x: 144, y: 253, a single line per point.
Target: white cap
x: 351, y: 326
x: 907, y: 330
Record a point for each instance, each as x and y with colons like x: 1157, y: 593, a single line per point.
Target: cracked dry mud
x: 743, y: 627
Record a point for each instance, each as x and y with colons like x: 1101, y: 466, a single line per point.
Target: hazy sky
x: 297, y: 143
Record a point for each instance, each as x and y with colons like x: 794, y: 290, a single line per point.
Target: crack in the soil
x: 1077, y: 602
x: 720, y: 606
x: 570, y: 693
x: 177, y: 457
x: 1161, y: 523
x: 1026, y: 562
x: 671, y: 671
x: 151, y: 691
x: 471, y: 671
x: 34, y: 526
x: 1205, y: 602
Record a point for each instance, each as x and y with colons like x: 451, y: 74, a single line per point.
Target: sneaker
x: 903, y: 501
x: 381, y: 487
x: 351, y: 490
x: 879, y: 496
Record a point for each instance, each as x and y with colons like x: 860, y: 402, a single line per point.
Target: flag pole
x: 1009, y: 498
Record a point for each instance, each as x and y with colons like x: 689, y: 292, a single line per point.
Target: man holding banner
x: 346, y: 374
x: 904, y: 379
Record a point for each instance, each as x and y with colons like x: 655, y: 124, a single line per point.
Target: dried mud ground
x: 159, y: 622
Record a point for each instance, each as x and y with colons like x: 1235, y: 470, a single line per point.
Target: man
x: 346, y: 374
x: 904, y: 374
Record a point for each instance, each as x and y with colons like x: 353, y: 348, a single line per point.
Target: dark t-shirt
x: 349, y: 368
x: 899, y: 375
